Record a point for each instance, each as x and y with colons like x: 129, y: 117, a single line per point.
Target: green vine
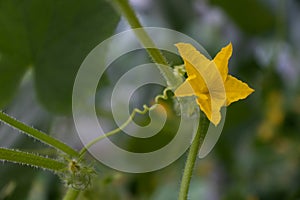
x: 31, y: 159
x: 125, y: 9
x: 43, y: 137
x: 73, y: 171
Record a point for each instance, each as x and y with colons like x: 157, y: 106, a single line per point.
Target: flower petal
x: 185, y: 89
x: 236, y: 90
x: 194, y: 62
x: 221, y: 60
x: 210, y: 108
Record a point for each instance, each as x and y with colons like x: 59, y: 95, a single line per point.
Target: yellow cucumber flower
x: 209, y: 81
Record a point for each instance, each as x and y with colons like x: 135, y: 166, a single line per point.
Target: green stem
x: 128, y: 13
x: 33, y: 160
x: 43, y: 137
x: 71, y: 194
x: 191, y: 159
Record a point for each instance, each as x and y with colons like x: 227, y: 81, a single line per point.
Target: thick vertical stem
x: 192, y: 155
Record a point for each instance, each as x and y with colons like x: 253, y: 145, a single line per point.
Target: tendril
x: 143, y: 111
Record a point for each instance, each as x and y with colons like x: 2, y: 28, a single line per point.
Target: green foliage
x: 53, y: 37
x: 257, y: 156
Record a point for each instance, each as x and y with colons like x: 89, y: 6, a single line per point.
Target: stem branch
x: 43, y: 137
x: 33, y: 160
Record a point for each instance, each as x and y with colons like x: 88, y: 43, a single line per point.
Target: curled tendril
x: 145, y: 109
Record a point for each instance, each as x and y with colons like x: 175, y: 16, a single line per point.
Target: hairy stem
x: 30, y: 159
x: 192, y: 155
x: 43, y: 137
x: 128, y: 13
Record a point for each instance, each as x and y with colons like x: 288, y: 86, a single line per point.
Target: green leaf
x: 54, y: 37
x: 14, y: 49
x: 251, y: 16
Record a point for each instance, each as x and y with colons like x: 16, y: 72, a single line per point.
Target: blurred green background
x: 43, y: 43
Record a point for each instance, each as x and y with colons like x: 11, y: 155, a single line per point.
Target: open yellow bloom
x: 209, y: 81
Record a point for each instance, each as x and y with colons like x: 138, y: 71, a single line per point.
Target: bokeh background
x: 42, y: 44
